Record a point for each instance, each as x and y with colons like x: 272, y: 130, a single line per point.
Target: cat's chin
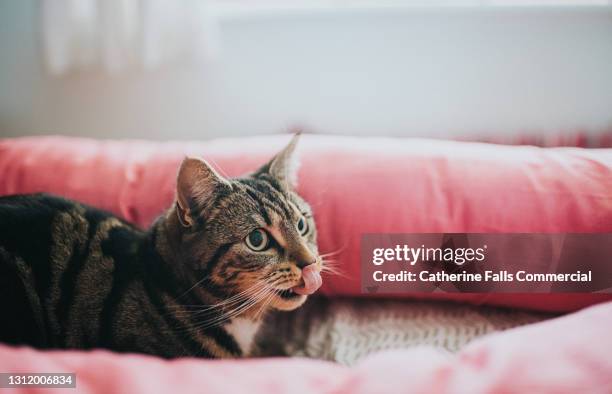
x: 288, y: 302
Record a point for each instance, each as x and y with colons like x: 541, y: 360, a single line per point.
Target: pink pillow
x: 354, y: 185
x: 565, y: 355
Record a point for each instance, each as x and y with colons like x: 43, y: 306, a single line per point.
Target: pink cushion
x: 355, y: 186
x: 565, y: 355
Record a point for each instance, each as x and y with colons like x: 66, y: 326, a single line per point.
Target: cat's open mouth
x: 287, y: 294
x: 311, y: 278
x: 311, y: 281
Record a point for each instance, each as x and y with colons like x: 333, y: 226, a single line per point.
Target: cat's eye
x: 257, y: 240
x: 302, y: 226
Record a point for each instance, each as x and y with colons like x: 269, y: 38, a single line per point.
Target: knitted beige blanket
x: 346, y: 330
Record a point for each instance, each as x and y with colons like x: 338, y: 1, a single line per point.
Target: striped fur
x: 72, y: 276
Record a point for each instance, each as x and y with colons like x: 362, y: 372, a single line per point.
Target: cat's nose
x: 304, y: 257
x: 305, y: 263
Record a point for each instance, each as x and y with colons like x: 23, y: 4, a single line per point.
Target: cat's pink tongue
x: 312, y: 280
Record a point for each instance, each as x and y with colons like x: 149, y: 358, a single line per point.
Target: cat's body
x: 88, y: 279
x: 195, y: 284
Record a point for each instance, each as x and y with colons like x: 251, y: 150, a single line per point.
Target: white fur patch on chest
x: 243, y: 330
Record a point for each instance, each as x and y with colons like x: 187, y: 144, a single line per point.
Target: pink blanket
x: 355, y: 186
x: 571, y: 354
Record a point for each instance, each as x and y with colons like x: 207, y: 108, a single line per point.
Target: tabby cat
x: 197, y: 283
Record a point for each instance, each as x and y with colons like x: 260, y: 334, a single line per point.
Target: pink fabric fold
x: 565, y: 355
x: 355, y: 186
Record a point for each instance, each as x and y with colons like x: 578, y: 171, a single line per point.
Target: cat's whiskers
x: 258, y: 294
x: 192, y: 287
x: 264, y: 306
x: 332, y: 267
x: 264, y: 297
x: 252, y: 293
x: 227, y: 316
x: 245, y: 294
x: 217, y: 319
x: 262, y: 293
x: 335, y: 252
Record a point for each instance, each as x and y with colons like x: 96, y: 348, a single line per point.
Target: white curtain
x: 122, y: 34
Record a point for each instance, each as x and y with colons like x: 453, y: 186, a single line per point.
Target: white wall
x: 405, y: 71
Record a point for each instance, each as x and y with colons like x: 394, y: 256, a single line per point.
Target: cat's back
x: 54, y: 253
x: 31, y: 224
x: 20, y: 212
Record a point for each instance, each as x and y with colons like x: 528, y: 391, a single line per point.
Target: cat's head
x: 251, y: 238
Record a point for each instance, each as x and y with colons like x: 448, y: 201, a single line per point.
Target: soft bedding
x: 355, y: 186
x: 346, y: 330
x: 569, y: 354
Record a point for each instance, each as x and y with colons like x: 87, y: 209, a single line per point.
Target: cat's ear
x: 284, y: 166
x: 197, y: 185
